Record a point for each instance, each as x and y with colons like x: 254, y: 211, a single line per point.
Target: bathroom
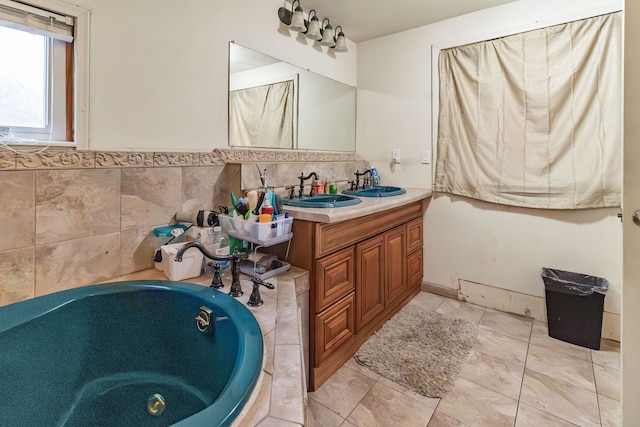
x: 173, y: 84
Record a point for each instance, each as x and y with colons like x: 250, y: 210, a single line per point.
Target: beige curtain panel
x: 534, y: 119
x: 262, y: 116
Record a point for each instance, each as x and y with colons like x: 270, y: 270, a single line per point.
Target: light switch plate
x: 395, y: 156
x: 426, y: 156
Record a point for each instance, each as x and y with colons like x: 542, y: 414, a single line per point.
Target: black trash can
x: 575, y: 304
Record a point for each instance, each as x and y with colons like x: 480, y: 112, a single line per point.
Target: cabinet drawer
x: 335, y: 278
x: 334, y: 327
x: 414, y: 235
x: 414, y: 269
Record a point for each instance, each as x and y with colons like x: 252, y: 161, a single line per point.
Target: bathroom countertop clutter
x: 368, y: 206
x: 281, y: 396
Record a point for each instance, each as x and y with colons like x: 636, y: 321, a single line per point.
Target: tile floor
x: 516, y: 375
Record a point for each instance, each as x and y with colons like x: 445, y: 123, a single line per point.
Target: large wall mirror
x: 273, y: 104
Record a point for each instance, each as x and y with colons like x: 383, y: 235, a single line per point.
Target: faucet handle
x: 291, y: 189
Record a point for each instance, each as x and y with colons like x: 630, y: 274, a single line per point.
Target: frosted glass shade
x: 341, y: 43
x: 314, y: 29
x: 297, y: 21
x: 327, y: 37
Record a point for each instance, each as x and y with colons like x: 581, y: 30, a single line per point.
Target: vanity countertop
x: 368, y: 206
x: 280, y: 397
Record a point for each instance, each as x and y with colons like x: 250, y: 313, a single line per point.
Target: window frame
x: 77, y: 74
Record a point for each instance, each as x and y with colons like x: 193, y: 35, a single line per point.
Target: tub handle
x: 204, y: 320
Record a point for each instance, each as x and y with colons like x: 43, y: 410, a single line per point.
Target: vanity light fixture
x: 327, y: 34
x: 314, y: 26
x: 323, y: 33
x: 341, y: 41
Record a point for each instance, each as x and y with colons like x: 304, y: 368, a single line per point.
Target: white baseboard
x: 509, y: 301
x: 502, y: 299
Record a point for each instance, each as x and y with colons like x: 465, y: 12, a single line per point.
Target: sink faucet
x: 302, y: 179
x: 365, y: 180
x: 236, y: 288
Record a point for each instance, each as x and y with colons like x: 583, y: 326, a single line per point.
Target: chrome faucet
x: 302, y: 179
x: 236, y: 288
x: 365, y: 180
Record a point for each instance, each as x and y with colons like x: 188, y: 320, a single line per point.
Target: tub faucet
x: 236, y: 288
x: 302, y: 179
x: 365, y: 180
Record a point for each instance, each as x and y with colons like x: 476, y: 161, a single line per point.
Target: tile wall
x: 74, y: 218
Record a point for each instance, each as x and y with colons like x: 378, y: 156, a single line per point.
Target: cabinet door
x: 334, y: 278
x: 414, y: 269
x: 369, y: 280
x: 414, y: 235
x: 334, y: 327
x: 395, y: 264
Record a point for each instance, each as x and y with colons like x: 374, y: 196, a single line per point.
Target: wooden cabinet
x: 370, y: 289
x: 395, y: 264
x: 414, y: 269
x: 363, y: 270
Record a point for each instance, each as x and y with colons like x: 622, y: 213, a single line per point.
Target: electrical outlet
x: 426, y: 156
x: 395, y: 156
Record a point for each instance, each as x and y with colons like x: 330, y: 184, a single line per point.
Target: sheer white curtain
x: 534, y: 119
x: 262, y: 116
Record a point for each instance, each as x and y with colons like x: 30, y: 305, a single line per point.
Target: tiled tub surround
x: 280, y: 399
x: 73, y: 218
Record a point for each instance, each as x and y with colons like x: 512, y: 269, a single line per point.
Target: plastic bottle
x: 217, y: 243
x: 266, y: 207
x: 220, y: 241
x: 375, y: 176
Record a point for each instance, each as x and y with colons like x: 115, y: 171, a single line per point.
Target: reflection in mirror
x: 273, y: 104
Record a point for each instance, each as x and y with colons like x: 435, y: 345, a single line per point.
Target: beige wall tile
x: 137, y: 248
x: 76, y: 263
x: 72, y: 204
x: 17, y: 199
x: 198, y: 184
x: 17, y: 272
x: 150, y: 196
x: 282, y: 174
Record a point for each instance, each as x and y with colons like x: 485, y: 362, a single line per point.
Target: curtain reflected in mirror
x: 262, y: 116
x: 273, y: 104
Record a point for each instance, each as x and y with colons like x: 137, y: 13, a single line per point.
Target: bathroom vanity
x: 364, y: 263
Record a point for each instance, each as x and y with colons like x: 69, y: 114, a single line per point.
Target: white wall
x: 464, y: 239
x: 159, y: 69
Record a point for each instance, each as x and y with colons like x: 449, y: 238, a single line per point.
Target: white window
x: 43, y: 79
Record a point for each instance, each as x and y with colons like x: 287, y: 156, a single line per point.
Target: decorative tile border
x: 56, y: 159
x: 106, y: 159
x: 69, y: 158
x: 253, y: 155
x: 7, y: 160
